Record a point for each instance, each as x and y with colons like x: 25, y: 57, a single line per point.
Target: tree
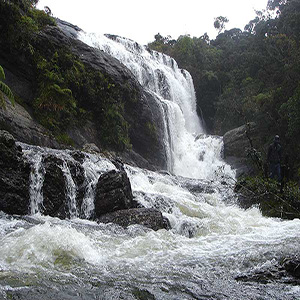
x: 5, y: 90
x: 219, y: 23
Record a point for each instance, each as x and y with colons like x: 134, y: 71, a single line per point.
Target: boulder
x: 91, y: 148
x: 237, y: 144
x: 14, y: 177
x: 149, y: 217
x: 292, y: 266
x: 54, y: 188
x: 113, y: 192
x: 56, y: 201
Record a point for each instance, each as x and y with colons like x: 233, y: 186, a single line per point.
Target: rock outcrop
x: 17, y: 120
x: 285, y: 271
x: 139, y: 114
x: 114, y: 201
x: 148, y: 217
x: 113, y: 192
x: 54, y: 188
x: 143, y: 113
x: 237, y: 144
x: 14, y: 177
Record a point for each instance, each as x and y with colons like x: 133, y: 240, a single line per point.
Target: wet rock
x: 78, y: 156
x: 142, y: 110
x: 292, y: 266
x: 78, y: 176
x: 283, y: 271
x: 237, y: 143
x: 90, y: 148
x: 113, y: 192
x: 142, y: 294
x: 54, y: 188
x: 196, y: 186
x: 149, y: 217
x: 14, y: 177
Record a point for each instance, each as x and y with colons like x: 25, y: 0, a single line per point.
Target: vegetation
x: 4, y: 89
x: 252, y: 75
x: 273, y: 199
x: 67, y: 93
x: 248, y: 75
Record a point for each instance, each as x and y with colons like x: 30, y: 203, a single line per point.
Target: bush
x: 273, y: 198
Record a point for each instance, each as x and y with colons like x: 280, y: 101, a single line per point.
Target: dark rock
x: 237, y: 143
x: 142, y: 110
x: 85, y: 134
x: 19, y: 122
x: 78, y: 156
x: 196, y: 186
x: 78, y: 176
x: 132, y: 158
x: 113, y: 192
x: 149, y: 217
x: 139, y: 113
x: 292, y: 266
x: 286, y: 271
x: 143, y: 294
x: 70, y: 29
x: 14, y: 177
x: 54, y: 188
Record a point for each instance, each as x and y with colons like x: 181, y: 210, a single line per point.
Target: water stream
x: 212, y: 241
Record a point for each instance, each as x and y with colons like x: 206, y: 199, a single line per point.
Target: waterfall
x: 212, y: 242
x: 93, y: 167
x: 36, y: 183
x: 190, y: 151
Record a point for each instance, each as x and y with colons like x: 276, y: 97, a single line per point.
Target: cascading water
x: 191, y: 153
x: 211, y: 243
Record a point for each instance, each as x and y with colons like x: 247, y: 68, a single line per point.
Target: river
x: 212, y: 242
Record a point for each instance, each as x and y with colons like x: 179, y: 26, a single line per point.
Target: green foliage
x: 67, y: 90
x: 67, y: 93
x: 219, y: 23
x: 273, y: 199
x: 152, y: 130
x: 5, y: 90
x: 19, y: 27
x: 2, y: 74
x: 291, y: 112
x: 250, y: 75
x: 63, y: 138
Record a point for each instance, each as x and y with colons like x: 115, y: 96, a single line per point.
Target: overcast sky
x: 141, y: 20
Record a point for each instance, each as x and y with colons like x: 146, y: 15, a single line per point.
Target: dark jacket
x: 274, y: 153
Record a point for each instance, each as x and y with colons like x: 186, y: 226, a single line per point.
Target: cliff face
x: 141, y: 111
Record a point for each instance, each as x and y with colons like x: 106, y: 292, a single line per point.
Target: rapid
x: 212, y: 241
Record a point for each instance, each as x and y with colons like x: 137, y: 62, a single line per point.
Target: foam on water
x: 188, y: 155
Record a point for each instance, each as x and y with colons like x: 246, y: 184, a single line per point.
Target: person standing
x: 274, y: 159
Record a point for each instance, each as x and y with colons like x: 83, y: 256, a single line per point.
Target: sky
x: 141, y: 20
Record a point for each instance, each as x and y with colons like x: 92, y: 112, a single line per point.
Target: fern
x: 2, y: 74
x: 6, y: 90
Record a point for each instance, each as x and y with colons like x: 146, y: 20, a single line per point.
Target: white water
x: 211, y: 241
x: 174, y: 90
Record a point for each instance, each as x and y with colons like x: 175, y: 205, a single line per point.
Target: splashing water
x: 212, y: 241
x: 188, y: 155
